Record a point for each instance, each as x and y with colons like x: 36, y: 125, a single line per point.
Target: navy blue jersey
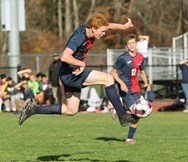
x: 184, y: 70
x: 28, y: 94
x: 79, y: 43
x: 127, y: 68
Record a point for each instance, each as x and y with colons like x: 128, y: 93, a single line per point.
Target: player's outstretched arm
x: 183, y: 62
x: 116, y: 26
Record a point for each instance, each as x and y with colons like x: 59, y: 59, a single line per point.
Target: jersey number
x: 133, y: 72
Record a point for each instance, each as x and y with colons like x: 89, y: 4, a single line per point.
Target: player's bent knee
x: 109, y: 80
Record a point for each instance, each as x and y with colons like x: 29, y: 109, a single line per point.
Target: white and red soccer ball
x: 142, y: 108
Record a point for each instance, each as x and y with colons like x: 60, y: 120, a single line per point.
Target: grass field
x: 94, y: 137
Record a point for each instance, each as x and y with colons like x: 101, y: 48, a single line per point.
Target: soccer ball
x: 142, y: 108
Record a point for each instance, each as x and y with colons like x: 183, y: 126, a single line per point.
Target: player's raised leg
x: 98, y: 77
x: 70, y: 107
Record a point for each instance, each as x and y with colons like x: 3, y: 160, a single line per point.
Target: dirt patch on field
x: 158, y: 104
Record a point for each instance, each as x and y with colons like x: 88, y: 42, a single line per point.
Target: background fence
x: 162, y: 65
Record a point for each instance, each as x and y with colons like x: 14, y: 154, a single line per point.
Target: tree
x: 60, y: 22
x: 47, y: 21
x: 157, y: 20
x: 76, y: 13
x: 68, y: 18
x: 91, y: 9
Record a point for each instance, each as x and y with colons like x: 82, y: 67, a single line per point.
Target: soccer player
x: 74, y: 75
x: 125, y: 72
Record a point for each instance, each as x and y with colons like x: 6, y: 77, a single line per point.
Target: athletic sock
x: 49, y: 109
x: 131, y: 132
x: 114, y: 99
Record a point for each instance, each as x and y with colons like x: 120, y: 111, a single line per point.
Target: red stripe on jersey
x: 137, y: 60
x: 88, y: 46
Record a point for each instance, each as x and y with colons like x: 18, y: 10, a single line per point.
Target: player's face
x: 100, y: 32
x: 25, y: 85
x: 131, y: 45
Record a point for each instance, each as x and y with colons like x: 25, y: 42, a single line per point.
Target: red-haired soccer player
x: 74, y: 75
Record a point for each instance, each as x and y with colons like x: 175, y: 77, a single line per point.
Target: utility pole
x: 14, y: 40
x: 13, y: 21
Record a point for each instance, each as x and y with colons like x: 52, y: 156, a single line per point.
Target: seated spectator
x: 39, y: 78
x: 24, y: 73
x: 4, y: 85
x: 35, y: 86
x: 11, y: 95
x: 4, y: 82
x: 47, y: 90
x: 1, y: 100
x: 27, y: 94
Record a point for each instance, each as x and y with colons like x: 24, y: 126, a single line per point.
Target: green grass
x: 94, y: 137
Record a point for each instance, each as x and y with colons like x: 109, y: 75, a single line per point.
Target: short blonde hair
x: 96, y: 21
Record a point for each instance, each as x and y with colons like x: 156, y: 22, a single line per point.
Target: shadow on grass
x: 109, y: 139
x: 59, y: 158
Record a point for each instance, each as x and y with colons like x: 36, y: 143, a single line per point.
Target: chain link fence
x: 41, y: 62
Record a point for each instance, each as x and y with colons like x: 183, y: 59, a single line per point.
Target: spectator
x: 1, y: 100
x: 142, y: 47
x: 39, y: 78
x: 184, y: 69
x: 24, y: 73
x: 28, y: 94
x: 4, y: 85
x: 34, y: 84
x: 7, y: 95
x: 54, y: 78
x: 47, y: 90
x: 35, y: 87
x: 10, y: 95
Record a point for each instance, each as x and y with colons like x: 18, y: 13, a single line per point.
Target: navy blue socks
x: 114, y: 99
x: 49, y: 109
x: 131, y: 132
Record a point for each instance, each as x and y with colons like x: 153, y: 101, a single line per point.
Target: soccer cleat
x: 113, y: 114
x: 127, y: 119
x: 28, y: 111
x: 130, y: 141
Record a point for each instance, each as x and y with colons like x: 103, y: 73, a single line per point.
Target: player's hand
x: 147, y: 87
x: 128, y: 24
x: 124, y: 88
x: 78, y: 71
